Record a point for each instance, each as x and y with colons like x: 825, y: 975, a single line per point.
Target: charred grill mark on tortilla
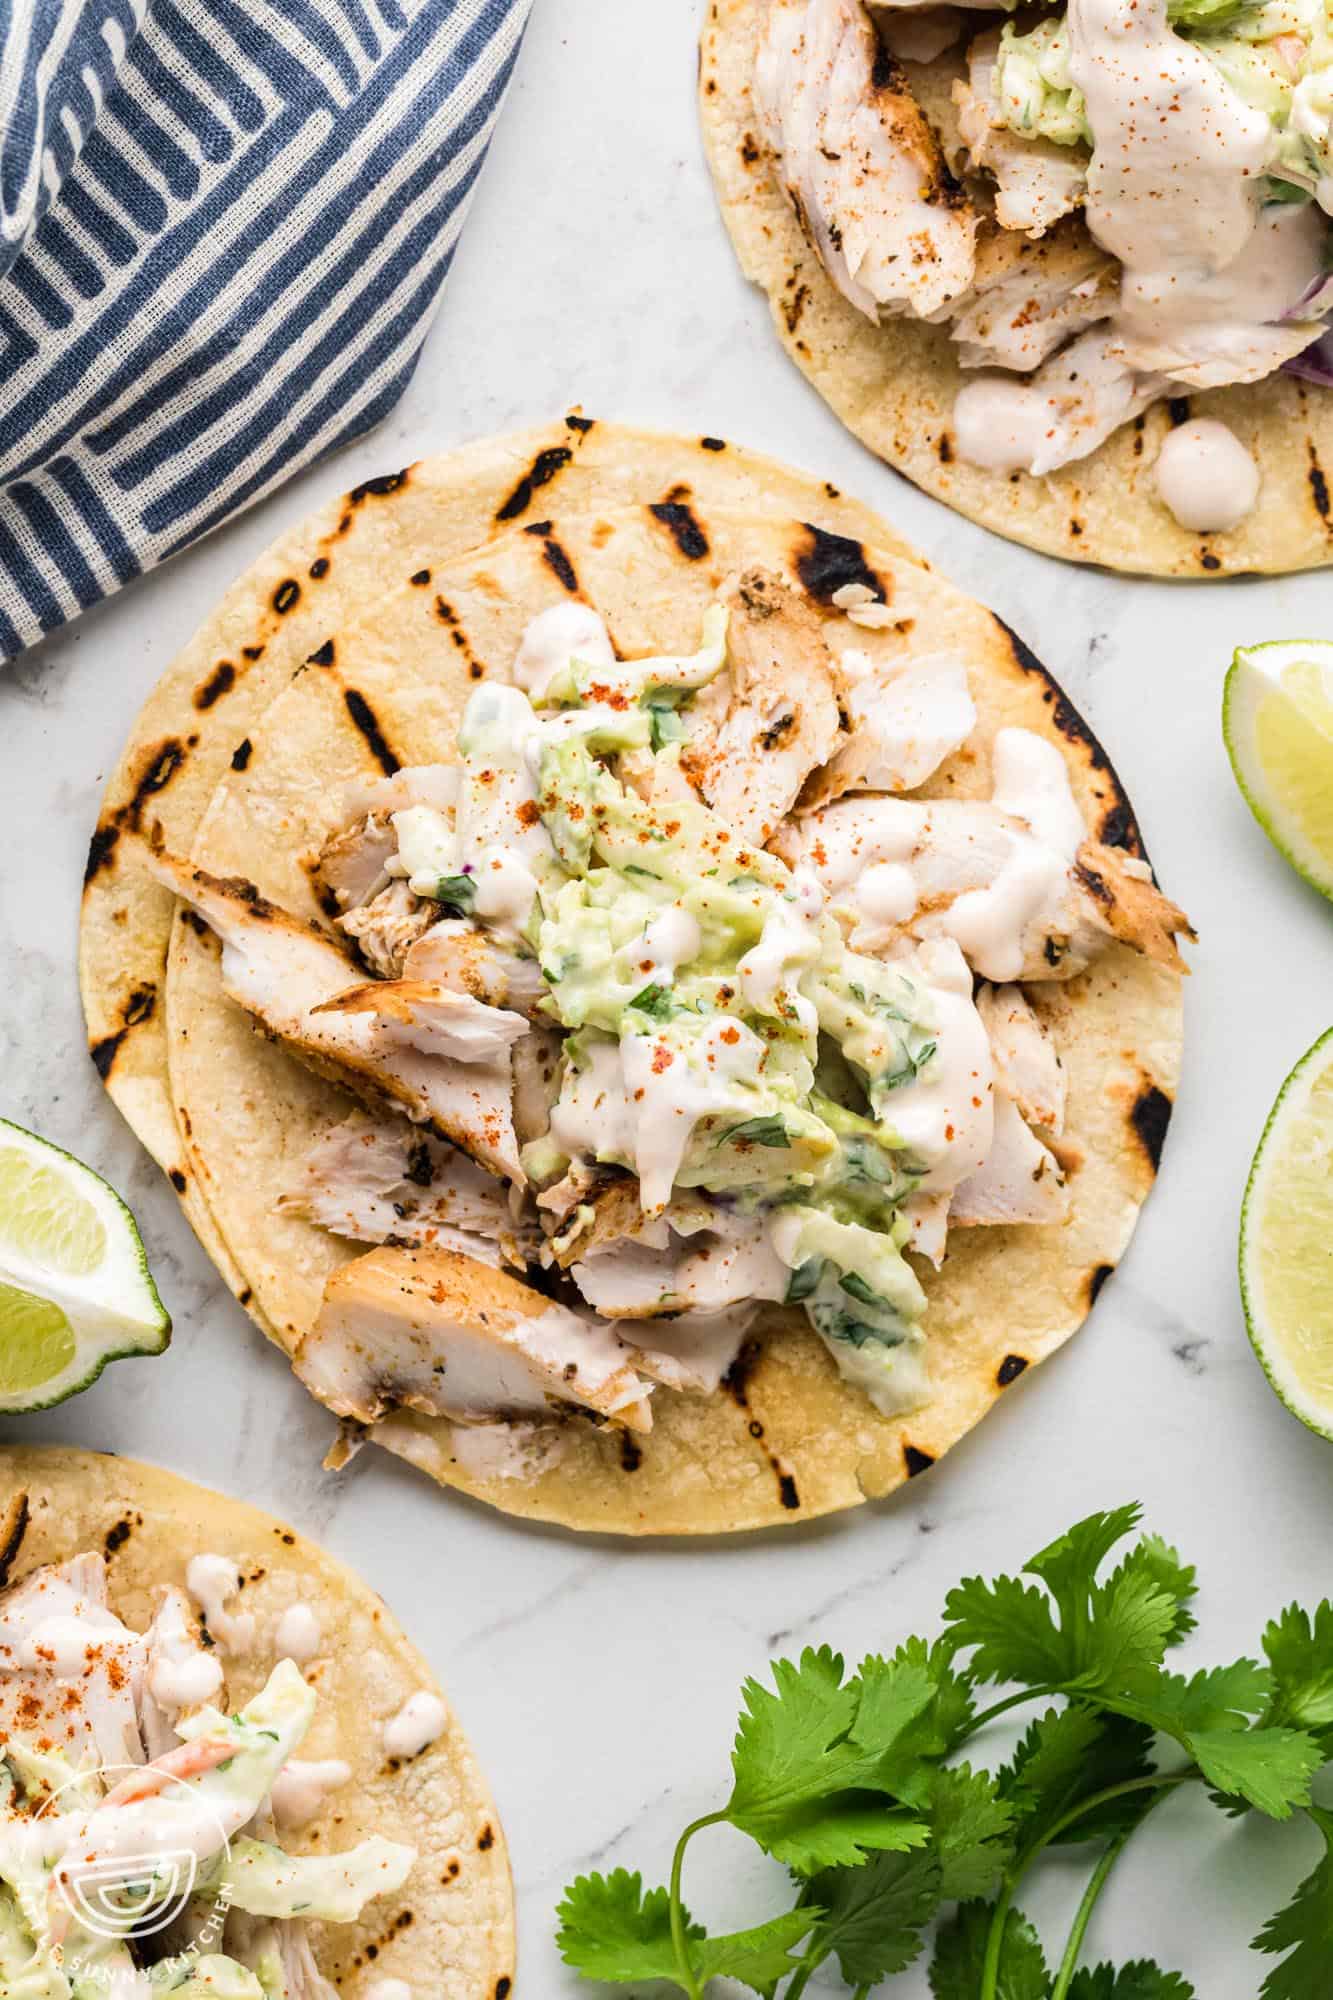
x: 576, y: 421
x: 101, y: 848
x: 916, y: 1461
x: 322, y: 655
x: 157, y: 768
x: 541, y: 472
x: 787, y: 1492
x: 557, y: 560
x: 119, y: 1533
x: 829, y: 562
x: 252, y: 653
x: 242, y: 754
x: 380, y: 488
x: 448, y: 616
x: 420, y: 578
x: 631, y: 1455
x: 675, y: 516
x: 287, y: 594
x: 1010, y: 1369
x: 1150, y: 1116
x: 1318, y: 485
x: 795, y: 306
x: 13, y: 1527
x: 177, y: 1179
x: 363, y: 715
x: 134, y: 1011
x: 220, y: 682
x: 319, y: 568
x: 1097, y: 1277
x: 712, y: 444
x: 1119, y: 828
x: 1119, y: 815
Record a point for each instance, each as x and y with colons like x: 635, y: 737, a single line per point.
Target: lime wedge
x: 1286, y: 1242
x: 1277, y: 718
x: 75, y: 1290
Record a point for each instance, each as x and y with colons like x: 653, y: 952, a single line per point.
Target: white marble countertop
x: 594, y: 269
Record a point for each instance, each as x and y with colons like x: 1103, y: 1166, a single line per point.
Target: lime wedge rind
x: 1253, y: 676
x: 113, y: 1310
x: 1267, y: 1339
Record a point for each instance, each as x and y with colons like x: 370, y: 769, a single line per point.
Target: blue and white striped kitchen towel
x: 224, y: 225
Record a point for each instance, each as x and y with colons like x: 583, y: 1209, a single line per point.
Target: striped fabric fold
x: 224, y: 226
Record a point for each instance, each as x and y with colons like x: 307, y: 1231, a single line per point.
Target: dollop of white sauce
x: 300, y: 1788
x: 298, y: 1636
x: 946, y: 1115
x: 789, y: 943
x: 1000, y: 423
x: 419, y: 1723
x: 1205, y: 477
x: 563, y: 632
x: 212, y: 1581
x: 184, y: 1683
x: 60, y: 1645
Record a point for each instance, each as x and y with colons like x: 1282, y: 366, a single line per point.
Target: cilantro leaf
x: 1271, y: 1768
x: 1010, y: 1625
x: 960, y: 1952
x: 755, y: 1132
x: 1067, y: 1755
x: 1209, y: 1715
x: 457, y: 893
x: 1305, y: 1930
x: 1141, y: 1980
x: 655, y: 1001
x: 611, y: 1929
x: 1300, y: 1652
x: 969, y: 1830
x: 1104, y: 1633
x: 758, y: 1958
x: 954, y: 1706
x: 805, y: 1775
x: 1157, y: 1560
x: 873, y: 1916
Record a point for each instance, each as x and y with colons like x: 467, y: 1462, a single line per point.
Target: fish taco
x: 665, y: 1033
x: 224, y: 1771
x: 1065, y: 266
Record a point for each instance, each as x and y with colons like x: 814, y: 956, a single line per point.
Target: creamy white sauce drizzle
x: 1209, y: 277
x: 419, y: 1723
x: 1173, y: 184
x: 1205, y: 477
x: 789, y: 943
x: 212, y: 1581
x: 987, y: 876
x: 298, y: 1636
x: 945, y: 1116
x: 301, y: 1787
x: 186, y: 1682
x: 555, y: 637
x: 671, y: 1086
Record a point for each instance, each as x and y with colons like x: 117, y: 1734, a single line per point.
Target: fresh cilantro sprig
x: 857, y: 1784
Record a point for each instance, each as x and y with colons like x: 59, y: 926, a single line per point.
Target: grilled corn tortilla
x: 785, y: 1438
x: 894, y: 384
x: 449, y: 1929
